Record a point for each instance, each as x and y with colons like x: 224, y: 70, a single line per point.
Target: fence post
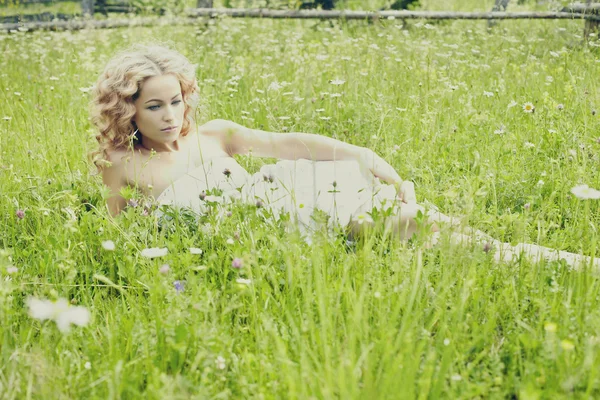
x: 87, y: 7
x: 590, y: 26
x: 204, y: 4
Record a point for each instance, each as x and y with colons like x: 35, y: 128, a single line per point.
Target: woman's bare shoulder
x: 117, y: 156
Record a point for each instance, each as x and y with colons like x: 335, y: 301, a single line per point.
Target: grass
x: 372, y: 319
x: 10, y: 9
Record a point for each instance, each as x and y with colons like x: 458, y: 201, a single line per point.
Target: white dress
x: 341, y: 189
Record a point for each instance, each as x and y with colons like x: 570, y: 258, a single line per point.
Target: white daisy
x: 108, y: 245
x: 195, y: 250
x: 59, y: 311
x: 361, y: 218
x: 528, y: 107
x: 155, y: 252
x: 584, y: 192
x: 220, y: 361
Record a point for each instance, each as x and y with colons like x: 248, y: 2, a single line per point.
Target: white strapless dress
x: 341, y: 189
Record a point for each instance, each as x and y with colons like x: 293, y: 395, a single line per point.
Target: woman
x: 143, y: 107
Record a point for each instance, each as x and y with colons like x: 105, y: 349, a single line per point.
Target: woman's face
x: 159, y: 109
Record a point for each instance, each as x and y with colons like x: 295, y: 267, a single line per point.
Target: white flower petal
x: 155, y: 252
x: 108, y: 245
x: 195, y: 250
x: 63, y: 322
x: 40, y: 309
x: 584, y: 192
x: 79, y: 316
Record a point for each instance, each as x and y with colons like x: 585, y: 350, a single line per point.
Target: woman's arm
x: 238, y: 139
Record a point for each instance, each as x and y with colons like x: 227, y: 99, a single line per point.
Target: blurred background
x: 28, y: 10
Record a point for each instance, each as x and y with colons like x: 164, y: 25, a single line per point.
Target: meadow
x: 237, y: 307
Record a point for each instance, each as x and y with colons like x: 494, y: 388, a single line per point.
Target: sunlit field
x: 495, y: 127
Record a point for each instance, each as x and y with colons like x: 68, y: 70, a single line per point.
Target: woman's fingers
x: 407, y: 192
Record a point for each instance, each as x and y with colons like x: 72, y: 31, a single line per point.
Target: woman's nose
x: 169, y: 114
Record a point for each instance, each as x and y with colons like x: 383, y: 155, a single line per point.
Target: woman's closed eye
x: 156, y: 107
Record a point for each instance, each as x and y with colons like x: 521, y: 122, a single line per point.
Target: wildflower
x: 154, y: 252
x: 220, y: 361
x: 237, y: 263
x: 195, y: 251
x: 164, y: 269
x: 456, y: 377
x: 11, y: 269
x: 554, y: 54
x: 108, y: 245
x: 512, y: 104
x: 584, y: 192
x: 259, y: 204
x: 567, y: 345
x: 337, y: 82
x: 227, y: 172
x: 59, y: 311
x: 87, y: 365
x: 243, y: 281
x: 550, y: 327
x: 487, y: 247
x: 274, y: 86
x: 560, y: 107
x: 446, y: 342
x: 488, y: 94
x: 527, y: 206
x: 230, y: 241
x: 179, y: 286
x: 132, y: 203
x: 501, y: 130
x: 529, y: 145
x: 377, y: 295
x: 202, y: 195
x: 528, y: 107
x: 20, y: 214
x: 6, y: 118
x: 361, y: 218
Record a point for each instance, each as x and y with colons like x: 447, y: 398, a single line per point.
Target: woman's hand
x: 376, y: 165
x: 381, y: 169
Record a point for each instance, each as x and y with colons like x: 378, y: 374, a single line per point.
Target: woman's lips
x: 171, y: 129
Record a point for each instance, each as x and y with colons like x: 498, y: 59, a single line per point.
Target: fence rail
x: 432, y: 15
x: 590, y: 15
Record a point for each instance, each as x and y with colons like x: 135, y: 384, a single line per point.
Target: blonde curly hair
x: 118, y: 87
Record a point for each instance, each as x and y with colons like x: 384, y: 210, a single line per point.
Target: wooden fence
x: 589, y: 12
